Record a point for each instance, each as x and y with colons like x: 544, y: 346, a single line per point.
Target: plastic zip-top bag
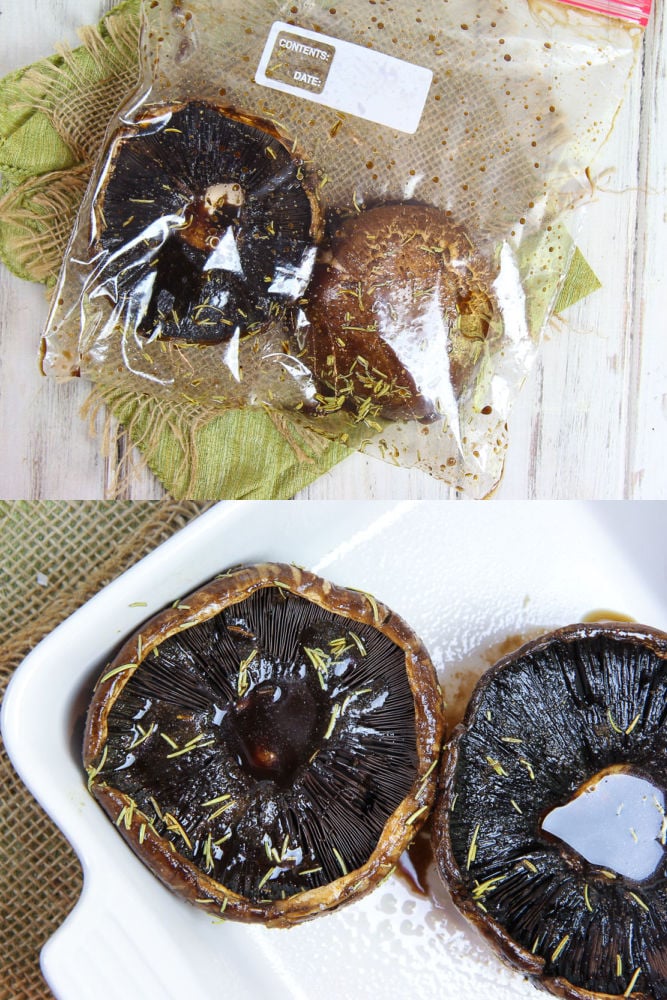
x: 354, y: 213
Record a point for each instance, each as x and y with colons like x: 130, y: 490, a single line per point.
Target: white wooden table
x: 591, y: 421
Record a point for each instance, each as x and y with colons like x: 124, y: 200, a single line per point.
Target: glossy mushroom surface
x: 268, y: 747
x: 397, y: 317
x: 543, y: 725
x: 207, y: 224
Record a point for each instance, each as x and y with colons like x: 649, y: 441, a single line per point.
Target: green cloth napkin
x: 52, y: 120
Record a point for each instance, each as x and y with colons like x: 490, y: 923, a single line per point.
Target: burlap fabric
x: 53, y: 557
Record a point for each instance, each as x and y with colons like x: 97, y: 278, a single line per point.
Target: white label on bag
x: 350, y: 78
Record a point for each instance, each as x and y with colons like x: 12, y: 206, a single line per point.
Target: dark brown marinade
x: 281, y: 791
x: 189, y: 180
x: 540, y: 725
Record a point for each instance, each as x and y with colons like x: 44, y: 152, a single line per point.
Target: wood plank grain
x: 647, y: 398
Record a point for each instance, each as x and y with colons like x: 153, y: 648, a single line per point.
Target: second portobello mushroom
x: 542, y: 727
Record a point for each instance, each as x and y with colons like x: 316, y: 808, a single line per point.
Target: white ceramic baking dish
x: 471, y: 579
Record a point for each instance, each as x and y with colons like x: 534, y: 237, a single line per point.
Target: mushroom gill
x: 270, y: 748
x: 206, y: 223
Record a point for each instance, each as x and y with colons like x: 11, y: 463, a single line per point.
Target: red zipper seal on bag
x: 637, y: 11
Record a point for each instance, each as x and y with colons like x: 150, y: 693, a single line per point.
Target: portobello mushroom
x: 206, y: 222
x: 546, y: 725
x: 267, y: 747
x: 397, y: 313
